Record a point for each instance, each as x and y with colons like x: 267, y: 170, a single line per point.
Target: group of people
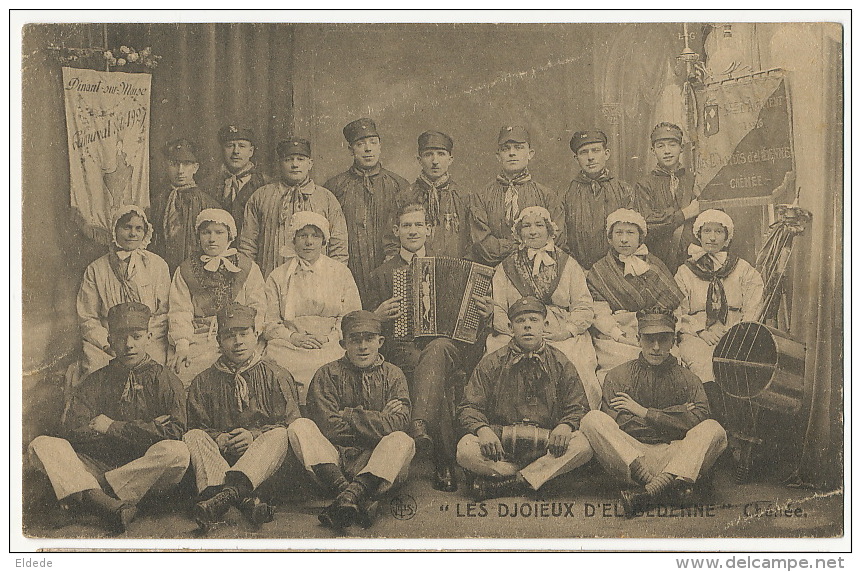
x: 261, y: 325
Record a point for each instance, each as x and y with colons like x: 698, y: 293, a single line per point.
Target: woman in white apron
x: 306, y: 298
x: 203, y: 284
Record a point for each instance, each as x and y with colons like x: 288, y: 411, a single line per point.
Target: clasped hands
x: 235, y: 442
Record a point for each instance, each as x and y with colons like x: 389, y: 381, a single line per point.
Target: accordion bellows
x: 437, y: 297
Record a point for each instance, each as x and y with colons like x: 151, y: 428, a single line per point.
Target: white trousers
x: 536, y: 473
x: 160, y: 468
x: 687, y: 458
x: 259, y: 462
x: 389, y: 460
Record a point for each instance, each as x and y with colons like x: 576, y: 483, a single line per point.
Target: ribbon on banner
x: 107, y: 121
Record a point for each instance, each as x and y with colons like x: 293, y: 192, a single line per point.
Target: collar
x: 408, y: 256
x: 306, y: 187
x: 227, y: 366
x: 661, y: 172
x: 440, y: 183
x: 246, y: 172
x: 366, y: 172
x: 145, y: 364
x: 184, y: 187
x: 516, y: 353
x: 602, y: 177
x: 666, y: 364
x: 696, y: 252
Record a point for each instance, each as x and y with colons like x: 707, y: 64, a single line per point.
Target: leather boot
x: 634, y: 502
x: 347, y: 504
x: 207, y: 513
x: 256, y: 511
x: 444, y: 479
x: 117, y: 515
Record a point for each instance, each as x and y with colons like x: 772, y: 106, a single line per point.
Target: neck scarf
x: 705, y: 267
x: 133, y: 391
x: 530, y: 366
x: 213, y: 263
x: 240, y: 387
x: 233, y: 182
x: 172, y: 224
x: 434, y: 187
x: 367, y: 176
x: 635, y: 263
x: 512, y: 207
x: 134, y: 259
x: 673, y: 175
x: 540, y: 256
x: 295, y: 199
x: 595, y: 183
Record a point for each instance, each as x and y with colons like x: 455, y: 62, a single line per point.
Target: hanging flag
x: 744, y: 152
x: 107, y: 122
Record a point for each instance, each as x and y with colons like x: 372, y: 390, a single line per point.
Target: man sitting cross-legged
x: 527, y: 388
x: 239, y: 411
x: 653, y: 428
x: 122, y: 430
x: 361, y: 404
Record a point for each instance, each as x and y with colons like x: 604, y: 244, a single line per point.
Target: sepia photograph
x: 562, y: 281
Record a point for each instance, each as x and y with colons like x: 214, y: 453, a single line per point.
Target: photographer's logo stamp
x: 403, y: 507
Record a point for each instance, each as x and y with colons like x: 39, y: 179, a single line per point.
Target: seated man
x: 527, y: 387
x: 238, y: 413
x: 653, y: 428
x: 123, y: 428
x: 361, y: 404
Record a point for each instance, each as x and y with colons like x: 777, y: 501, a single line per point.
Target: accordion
x: 437, y: 297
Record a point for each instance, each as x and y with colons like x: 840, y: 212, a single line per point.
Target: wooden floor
x: 582, y: 504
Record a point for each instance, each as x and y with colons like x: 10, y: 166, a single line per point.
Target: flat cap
x: 128, y: 316
x: 360, y: 321
x: 235, y: 315
x: 181, y: 150
x: 581, y: 138
x: 435, y: 140
x: 359, y: 129
x: 515, y: 133
x: 656, y: 320
x: 293, y: 146
x: 235, y: 133
x: 666, y: 131
x: 527, y: 304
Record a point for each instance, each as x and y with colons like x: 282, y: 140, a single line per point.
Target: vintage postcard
x: 365, y: 283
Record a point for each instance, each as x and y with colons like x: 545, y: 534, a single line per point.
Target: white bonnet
x: 302, y: 219
x: 220, y: 216
x: 552, y: 227
x: 124, y: 210
x: 713, y: 215
x: 627, y: 215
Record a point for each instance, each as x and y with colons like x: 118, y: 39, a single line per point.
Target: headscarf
x: 635, y: 263
x: 542, y: 255
x: 220, y: 216
x: 720, y: 217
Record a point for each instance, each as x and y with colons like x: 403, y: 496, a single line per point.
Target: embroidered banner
x: 744, y: 141
x: 107, y: 120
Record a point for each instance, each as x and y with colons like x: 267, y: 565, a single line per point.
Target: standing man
x: 238, y: 177
x: 175, y: 212
x: 123, y: 428
x: 269, y: 212
x: 361, y: 404
x: 238, y: 414
x: 666, y: 196
x: 444, y: 202
x: 527, y: 386
x: 653, y: 428
x: 368, y: 196
x: 591, y: 196
x: 494, y: 209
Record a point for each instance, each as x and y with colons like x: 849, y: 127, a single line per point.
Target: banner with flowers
x: 107, y: 121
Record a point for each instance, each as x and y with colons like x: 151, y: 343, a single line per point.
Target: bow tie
x: 540, y: 256
x: 635, y: 263
x: 213, y: 263
x: 696, y: 252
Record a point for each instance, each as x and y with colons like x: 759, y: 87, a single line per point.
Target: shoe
x: 634, y: 502
x: 256, y: 511
x: 367, y: 513
x: 207, y: 513
x: 419, y: 433
x: 486, y: 488
x: 327, y: 517
x: 116, y: 514
x: 444, y: 480
x: 346, y: 505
